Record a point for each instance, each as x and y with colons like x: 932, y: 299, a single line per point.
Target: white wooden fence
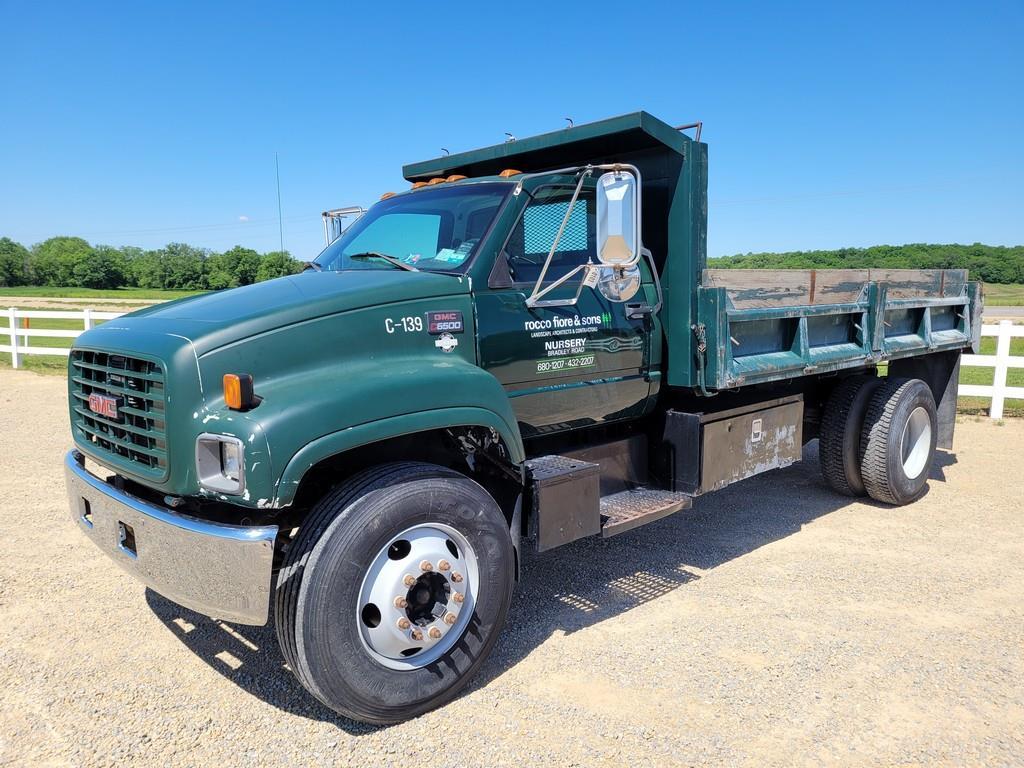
x: 19, y: 336
x: 1002, y: 361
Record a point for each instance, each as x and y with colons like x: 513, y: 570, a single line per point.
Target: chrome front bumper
x: 219, y: 570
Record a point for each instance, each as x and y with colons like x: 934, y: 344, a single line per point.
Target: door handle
x: 634, y: 311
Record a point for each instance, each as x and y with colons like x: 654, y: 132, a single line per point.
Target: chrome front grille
x: 136, y: 438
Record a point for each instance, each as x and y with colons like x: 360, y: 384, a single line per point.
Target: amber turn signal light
x: 238, y: 393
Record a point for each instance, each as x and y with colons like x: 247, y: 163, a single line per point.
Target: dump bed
x: 758, y: 325
x: 767, y: 325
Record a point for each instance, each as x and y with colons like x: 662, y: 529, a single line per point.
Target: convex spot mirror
x: 618, y: 239
x: 619, y: 284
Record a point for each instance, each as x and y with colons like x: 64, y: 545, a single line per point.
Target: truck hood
x: 216, y: 319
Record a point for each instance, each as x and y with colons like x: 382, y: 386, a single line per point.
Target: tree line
x: 990, y: 263
x: 73, y: 262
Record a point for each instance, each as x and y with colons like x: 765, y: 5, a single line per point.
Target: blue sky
x: 829, y: 125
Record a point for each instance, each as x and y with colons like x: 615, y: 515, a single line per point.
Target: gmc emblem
x: 444, y: 322
x: 106, y: 406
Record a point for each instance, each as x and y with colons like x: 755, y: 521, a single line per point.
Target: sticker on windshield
x: 449, y: 255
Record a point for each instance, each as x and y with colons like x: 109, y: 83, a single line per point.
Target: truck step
x: 630, y: 509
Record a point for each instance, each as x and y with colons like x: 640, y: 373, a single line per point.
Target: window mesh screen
x: 541, y: 222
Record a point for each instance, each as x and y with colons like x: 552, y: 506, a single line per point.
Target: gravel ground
x: 774, y: 624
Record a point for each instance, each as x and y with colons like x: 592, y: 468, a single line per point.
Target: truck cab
x: 522, y: 348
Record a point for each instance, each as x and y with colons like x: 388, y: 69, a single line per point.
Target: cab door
x: 571, y: 366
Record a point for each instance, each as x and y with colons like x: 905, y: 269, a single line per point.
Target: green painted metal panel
x: 360, y: 435
x: 579, y: 145
x: 765, y: 342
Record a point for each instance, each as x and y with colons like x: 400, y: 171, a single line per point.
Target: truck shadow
x: 576, y: 587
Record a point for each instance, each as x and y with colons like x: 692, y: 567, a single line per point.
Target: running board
x: 630, y: 509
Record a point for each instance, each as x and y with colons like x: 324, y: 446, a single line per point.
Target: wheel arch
x: 327, y: 455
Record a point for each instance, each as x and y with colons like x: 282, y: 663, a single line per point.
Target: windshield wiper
x: 389, y: 259
x: 312, y: 265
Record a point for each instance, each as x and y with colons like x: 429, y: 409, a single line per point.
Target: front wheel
x: 394, y: 591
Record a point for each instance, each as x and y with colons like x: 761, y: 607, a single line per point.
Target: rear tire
x: 343, y: 647
x: 839, y: 440
x: 898, y: 441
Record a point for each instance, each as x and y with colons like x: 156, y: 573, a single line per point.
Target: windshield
x: 436, y: 230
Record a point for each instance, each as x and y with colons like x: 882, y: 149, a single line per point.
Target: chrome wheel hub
x: 916, y: 442
x: 417, y: 596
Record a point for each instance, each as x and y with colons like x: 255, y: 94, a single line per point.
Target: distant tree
x: 129, y: 254
x: 990, y: 263
x: 232, y: 268
x: 147, y: 270
x: 105, y: 268
x: 13, y: 263
x: 71, y: 261
x: 53, y: 261
x: 183, y: 265
x: 218, y: 278
x: 277, y: 264
x: 247, y: 264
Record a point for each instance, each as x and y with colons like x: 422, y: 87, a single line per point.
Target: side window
x: 532, y: 238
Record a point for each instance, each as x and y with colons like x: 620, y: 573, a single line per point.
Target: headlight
x: 220, y: 463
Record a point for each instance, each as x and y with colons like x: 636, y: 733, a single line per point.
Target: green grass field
x: 997, y: 295
x: 43, y: 291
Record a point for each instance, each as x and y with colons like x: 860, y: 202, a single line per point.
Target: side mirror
x: 618, y: 228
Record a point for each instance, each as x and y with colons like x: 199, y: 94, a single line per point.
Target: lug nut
x: 426, y: 566
x: 416, y: 634
x: 404, y: 623
x: 409, y: 580
x: 449, y: 618
x: 401, y: 602
x: 444, y: 565
x: 458, y: 597
x: 456, y: 577
x: 434, y: 633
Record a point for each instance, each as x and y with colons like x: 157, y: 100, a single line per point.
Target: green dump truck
x: 522, y: 349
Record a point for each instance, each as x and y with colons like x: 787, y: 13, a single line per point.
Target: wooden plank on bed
x: 766, y: 288
x: 920, y: 283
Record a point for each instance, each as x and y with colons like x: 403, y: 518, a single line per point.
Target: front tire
x: 394, y: 591
x: 898, y: 441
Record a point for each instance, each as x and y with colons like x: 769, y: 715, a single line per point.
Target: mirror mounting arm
x: 534, y: 299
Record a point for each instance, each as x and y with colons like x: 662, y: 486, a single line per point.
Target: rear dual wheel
x: 897, y: 442
x: 394, y: 591
x: 878, y: 438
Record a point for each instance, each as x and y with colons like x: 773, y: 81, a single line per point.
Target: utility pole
x: 280, y: 224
